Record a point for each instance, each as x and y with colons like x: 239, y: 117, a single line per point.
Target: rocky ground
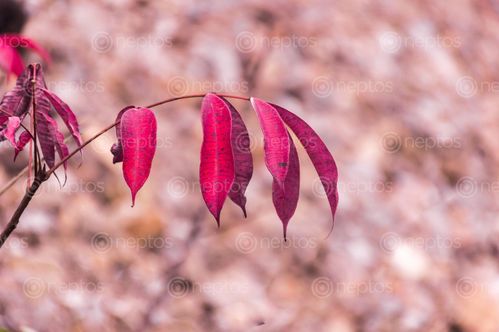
x: 404, y: 93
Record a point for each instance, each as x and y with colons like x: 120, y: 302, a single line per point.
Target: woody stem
x: 11, y: 226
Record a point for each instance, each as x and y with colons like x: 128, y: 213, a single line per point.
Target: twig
x: 43, y: 175
x: 13, y: 181
x: 111, y: 126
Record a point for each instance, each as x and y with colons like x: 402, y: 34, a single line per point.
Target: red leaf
x: 117, y: 148
x: 319, y: 154
x: 15, y: 41
x: 243, y: 161
x: 138, y: 135
x: 10, y: 60
x: 276, y: 139
x: 66, y: 114
x: 24, y: 138
x: 216, y: 170
x: 285, y: 198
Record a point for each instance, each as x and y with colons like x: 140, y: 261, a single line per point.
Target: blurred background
x: 404, y: 93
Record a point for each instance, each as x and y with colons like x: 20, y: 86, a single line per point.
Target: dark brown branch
x: 11, y: 226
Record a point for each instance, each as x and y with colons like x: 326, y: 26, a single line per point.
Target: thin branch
x: 13, y: 181
x: 43, y: 175
x: 111, y: 126
x: 18, y: 176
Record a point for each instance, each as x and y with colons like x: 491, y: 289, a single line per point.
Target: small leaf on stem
x: 24, y: 138
x: 10, y: 132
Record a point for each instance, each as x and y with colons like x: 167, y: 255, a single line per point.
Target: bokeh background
x: 404, y: 93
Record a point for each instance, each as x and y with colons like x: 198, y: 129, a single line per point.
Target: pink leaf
x: 243, y: 161
x: 17, y: 101
x: 276, y: 139
x: 65, y: 113
x: 217, y: 162
x: 285, y: 197
x: 138, y: 135
x: 12, y: 125
x: 319, y: 154
x: 24, y: 138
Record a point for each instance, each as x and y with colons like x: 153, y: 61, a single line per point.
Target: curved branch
x: 43, y: 175
x: 111, y: 126
x: 13, y: 181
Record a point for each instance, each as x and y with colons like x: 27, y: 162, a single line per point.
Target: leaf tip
x: 331, y: 230
x: 133, y: 199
